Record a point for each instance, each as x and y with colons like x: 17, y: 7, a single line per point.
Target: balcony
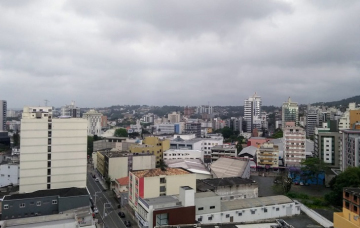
x: 266, y: 163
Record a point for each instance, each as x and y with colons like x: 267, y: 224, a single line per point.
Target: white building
x: 204, y: 109
x: 53, y: 151
x: 165, y: 128
x: 344, y: 121
x: 94, y: 122
x: 290, y: 112
x: 294, y: 144
x: 70, y: 110
x: 252, y: 110
x: 183, y: 154
x: 11, y: 113
x: 13, y: 125
x: 9, y: 174
x: 3, y: 110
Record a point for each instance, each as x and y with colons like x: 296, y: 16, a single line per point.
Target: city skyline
x: 182, y: 53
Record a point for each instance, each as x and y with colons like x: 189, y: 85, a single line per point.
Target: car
x: 307, y: 184
x: 127, y: 223
x: 96, y: 211
x: 93, y: 176
x: 96, y: 179
x: 302, y: 183
x: 121, y: 214
x: 296, y: 183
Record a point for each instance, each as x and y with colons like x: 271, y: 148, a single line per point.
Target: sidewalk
x: 101, y: 179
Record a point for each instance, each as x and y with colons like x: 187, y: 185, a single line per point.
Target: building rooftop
x: 114, y: 154
x: 62, y: 192
x: 258, y: 138
x: 228, y: 167
x: 192, y: 165
x: 159, y: 172
x: 211, y: 184
x: 204, y: 194
x: 254, y: 202
x: 161, y: 200
x: 355, y: 191
x: 223, y: 147
x: 351, y: 131
x: 249, y: 150
x: 189, y: 141
x: 123, y: 181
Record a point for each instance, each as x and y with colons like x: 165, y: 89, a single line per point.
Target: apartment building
x: 109, y: 143
x: 183, y: 154
x: 156, y: 182
x: 53, y: 151
x: 350, y: 148
x: 3, y: 110
x: 267, y: 156
x: 204, y: 109
x: 349, y: 217
x: 294, y: 144
x: 70, y: 110
x: 164, y: 128
x: 174, y: 117
x: 193, y: 128
x: 312, y: 121
x: 94, y: 122
x: 223, y: 151
x: 252, y: 111
x: 153, y: 145
x: 290, y: 112
x: 349, y: 117
x: 116, y: 165
x: 327, y: 144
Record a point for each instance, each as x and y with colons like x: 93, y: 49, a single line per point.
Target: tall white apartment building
x: 94, y: 122
x: 11, y: 113
x: 294, y: 144
x: 70, y: 110
x: 252, y: 111
x: 204, y: 109
x: 290, y: 112
x: 53, y: 151
x: 3, y: 110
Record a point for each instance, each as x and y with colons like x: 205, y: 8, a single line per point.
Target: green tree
x: 90, y: 145
x: 121, y: 132
x: 283, y: 183
x: 239, y: 147
x: 227, y: 132
x: 312, y: 167
x: 349, y: 178
x: 277, y: 134
x: 16, y: 139
x: 162, y: 165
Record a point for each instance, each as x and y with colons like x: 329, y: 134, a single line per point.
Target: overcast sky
x: 102, y: 53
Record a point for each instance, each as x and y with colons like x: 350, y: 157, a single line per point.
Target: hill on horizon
x: 344, y: 102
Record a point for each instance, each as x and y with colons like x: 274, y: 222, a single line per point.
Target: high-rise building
x: 193, y: 128
x: 312, y: 121
x: 3, y: 110
x: 350, y: 148
x: 174, y: 117
x: 290, y: 112
x: 70, y: 110
x: 294, y: 144
x: 252, y: 111
x: 204, y: 109
x: 326, y: 144
x: 53, y: 151
x: 94, y: 122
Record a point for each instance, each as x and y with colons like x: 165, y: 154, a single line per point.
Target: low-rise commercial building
x: 223, y: 151
x: 192, y: 165
x: 349, y: 217
x: 183, y: 154
x: 248, y: 152
x: 267, y: 156
x: 109, y: 143
x: 9, y: 173
x: 230, y: 167
x: 157, y: 182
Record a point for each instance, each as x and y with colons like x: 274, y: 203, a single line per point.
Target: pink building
x: 294, y: 144
x: 256, y: 141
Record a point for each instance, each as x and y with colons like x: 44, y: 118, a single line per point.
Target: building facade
x: 53, y: 151
x: 3, y: 111
x: 193, y: 128
x: 290, y: 112
x: 312, y: 121
x: 294, y: 144
x: 94, y: 122
x: 349, y: 217
x: 9, y: 174
x: 223, y: 151
x: 70, y: 110
x: 252, y: 110
x: 183, y: 154
x: 350, y: 149
x: 174, y: 117
x: 267, y: 156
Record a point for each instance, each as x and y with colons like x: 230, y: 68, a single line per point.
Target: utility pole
x: 46, y: 102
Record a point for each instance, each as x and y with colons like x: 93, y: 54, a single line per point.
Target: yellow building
x: 100, y: 164
x: 354, y: 119
x: 350, y: 216
x: 152, y: 145
x: 267, y: 155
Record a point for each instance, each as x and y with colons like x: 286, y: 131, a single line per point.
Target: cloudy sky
x: 102, y: 53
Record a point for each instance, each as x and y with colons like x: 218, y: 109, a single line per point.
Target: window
x: 355, y: 198
x: 48, y: 186
x: 162, y: 219
x: 49, y: 179
x: 22, y: 205
x: 210, y: 218
x: 347, y: 194
x: 253, y: 212
x: 8, y: 167
x: 49, y: 172
x: 162, y: 180
x: 162, y: 189
x: 8, y: 175
x: 38, y: 203
x: 49, y: 148
x: 240, y: 214
x: 54, y: 202
x: 200, y: 208
x: 227, y: 215
x: 6, y: 206
x: 277, y: 209
x: 49, y: 156
x: 31, y: 203
x: 265, y: 210
x: 212, y: 207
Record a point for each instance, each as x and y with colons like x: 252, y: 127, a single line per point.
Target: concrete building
x: 43, y: 202
x: 153, y: 145
x: 209, y: 209
x: 183, y: 154
x: 229, y: 188
x: 267, y: 156
x: 3, y: 111
x: 290, y: 112
x: 164, y: 128
x: 167, y: 210
x: 156, y: 182
x: 192, y: 165
x: 4, y: 139
x: 252, y: 110
x: 109, y: 143
x: 256, y: 141
x: 223, y: 151
x: 350, y: 149
x: 13, y: 125
x: 9, y: 173
x: 294, y: 144
x: 174, y: 117
x: 312, y: 121
x: 193, y: 128
x: 70, y: 110
x: 53, y: 151
x: 349, y: 117
x: 349, y: 217
x: 94, y: 122
x: 11, y: 113
x: 116, y: 165
x: 248, y: 152
x: 327, y: 144
x: 208, y: 109
x: 231, y: 167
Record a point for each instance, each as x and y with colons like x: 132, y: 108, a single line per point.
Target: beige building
x: 53, y: 151
x: 115, y: 165
x: 294, y: 144
x: 174, y: 117
x: 94, y: 122
x: 156, y: 182
x: 152, y: 145
x: 267, y: 155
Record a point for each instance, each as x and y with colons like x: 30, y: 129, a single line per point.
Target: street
x: 112, y: 218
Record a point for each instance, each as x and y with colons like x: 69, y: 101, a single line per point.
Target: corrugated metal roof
x: 227, y: 167
x: 255, y: 202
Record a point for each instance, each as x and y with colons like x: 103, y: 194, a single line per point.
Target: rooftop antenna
x: 46, y: 102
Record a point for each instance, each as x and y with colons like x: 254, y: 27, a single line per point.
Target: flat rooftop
x: 255, y: 202
x: 353, y: 190
x: 114, y: 154
x: 199, y: 195
x: 62, y: 192
x: 204, y: 184
x: 159, y: 172
x: 161, y: 200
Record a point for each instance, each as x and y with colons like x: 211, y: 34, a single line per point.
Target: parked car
x: 96, y: 179
x: 296, y: 183
x: 302, y: 183
x: 127, y: 223
x: 93, y: 176
x: 121, y: 214
x: 118, y: 206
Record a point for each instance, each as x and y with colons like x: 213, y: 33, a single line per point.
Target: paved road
x: 112, y: 218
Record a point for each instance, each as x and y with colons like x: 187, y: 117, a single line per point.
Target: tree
x: 90, y: 145
x: 312, y: 167
x: 162, y: 165
x: 227, y: 132
x: 121, y: 132
x: 349, y: 178
x: 239, y: 147
x: 283, y: 183
x: 16, y: 139
x: 277, y: 134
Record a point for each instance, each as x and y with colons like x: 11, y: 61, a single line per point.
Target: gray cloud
x: 177, y: 52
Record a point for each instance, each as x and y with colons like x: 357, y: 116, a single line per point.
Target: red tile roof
x: 123, y: 181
